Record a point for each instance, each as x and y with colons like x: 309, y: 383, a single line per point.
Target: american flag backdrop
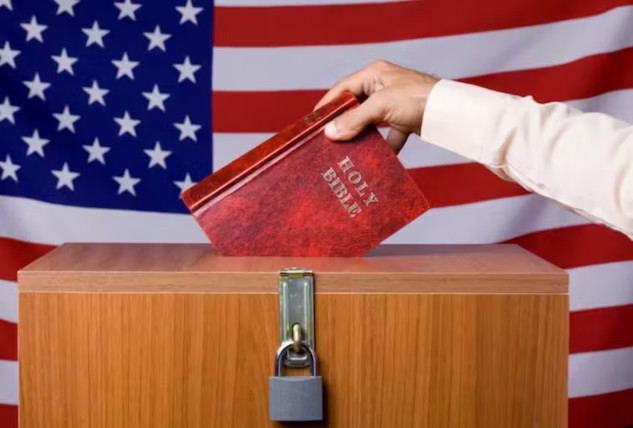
x: 109, y: 109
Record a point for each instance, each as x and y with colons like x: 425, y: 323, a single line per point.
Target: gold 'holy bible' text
x: 354, y: 178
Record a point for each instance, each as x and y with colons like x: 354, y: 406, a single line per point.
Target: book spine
x: 248, y: 165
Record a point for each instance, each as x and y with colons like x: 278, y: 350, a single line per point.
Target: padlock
x: 295, y: 398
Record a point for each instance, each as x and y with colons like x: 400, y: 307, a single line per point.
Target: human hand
x: 396, y: 95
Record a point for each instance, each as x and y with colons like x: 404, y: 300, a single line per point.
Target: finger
x: 396, y: 139
x: 353, y: 83
x: 352, y: 122
x: 362, y: 82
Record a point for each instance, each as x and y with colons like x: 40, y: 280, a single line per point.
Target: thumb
x: 353, y: 122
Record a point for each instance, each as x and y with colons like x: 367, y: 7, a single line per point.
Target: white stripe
x: 618, y: 104
x: 416, y: 153
x: 8, y: 301
x: 265, y: 3
x: 480, y: 222
x: 601, y: 286
x: 593, y: 373
x: 8, y: 382
x: 229, y: 146
x: 318, y: 67
x: 486, y: 222
x: 47, y: 223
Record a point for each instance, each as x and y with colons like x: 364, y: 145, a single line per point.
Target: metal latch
x: 296, y: 313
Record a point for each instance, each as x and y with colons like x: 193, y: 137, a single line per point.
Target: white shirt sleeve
x: 583, y: 161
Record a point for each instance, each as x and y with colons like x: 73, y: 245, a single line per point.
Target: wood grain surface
x: 197, y: 268
x: 203, y: 360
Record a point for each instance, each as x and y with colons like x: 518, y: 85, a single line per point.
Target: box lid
x: 184, y: 268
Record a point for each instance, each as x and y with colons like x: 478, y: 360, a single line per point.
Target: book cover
x: 301, y: 194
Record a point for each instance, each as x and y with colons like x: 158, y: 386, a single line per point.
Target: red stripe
x: 601, y: 329
x: 8, y: 340
x: 260, y: 111
x: 582, y: 78
x: 448, y: 185
x: 372, y: 23
x: 8, y: 416
x: 269, y: 111
x: 613, y: 410
x: 14, y: 255
x: 576, y: 246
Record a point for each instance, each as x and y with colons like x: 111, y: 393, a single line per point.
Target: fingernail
x: 330, y: 130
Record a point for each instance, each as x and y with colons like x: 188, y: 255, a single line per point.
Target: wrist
x: 427, y: 88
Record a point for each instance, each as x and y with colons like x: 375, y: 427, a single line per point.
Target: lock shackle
x: 283, y: 351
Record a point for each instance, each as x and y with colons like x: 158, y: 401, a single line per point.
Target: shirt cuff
x: 459, y: 117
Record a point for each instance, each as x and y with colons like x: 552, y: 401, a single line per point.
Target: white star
x: 186, y: 70
x: 126, y: 182
x: 7, y: 55
x: 7, y: 110
x: 65, y: 177
x: 9, y: 169
x: 36, y: 87
x: 128, y: 9
x: 66, y: 120
x: 95, y: 34
x: 155, y: 98
x: 36, y: 143
x: 157, y: 39
x: 127, y: 124
x: 66, y: 6
x: 96, y: 151
x: 33, y: 29
x: 157, y: 156
x: 189, y: 12
x: 187, y: 129
x: 64, y: 62
x: 124, y: 66
x: 184, y: 184
x: 96, y: 93
x: 7, y: 4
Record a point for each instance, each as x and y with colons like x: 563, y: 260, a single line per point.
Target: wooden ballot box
x: 174, y: 335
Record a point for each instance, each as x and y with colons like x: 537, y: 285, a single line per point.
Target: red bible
x: 301, y: 194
